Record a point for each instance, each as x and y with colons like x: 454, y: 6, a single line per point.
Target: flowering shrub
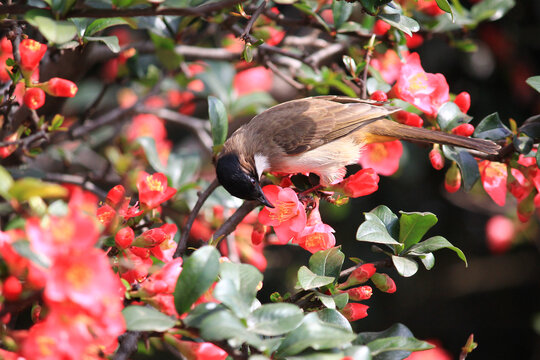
x: 114, y: 233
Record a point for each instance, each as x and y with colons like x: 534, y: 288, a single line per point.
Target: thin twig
x: 245, y: 34
x: 288, y: 79
x: 110, y: 117
x: 230, y: 224
x: 182, y: 243
x: 369, y: 52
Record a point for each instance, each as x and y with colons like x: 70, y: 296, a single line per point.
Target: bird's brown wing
x: 306, y: 124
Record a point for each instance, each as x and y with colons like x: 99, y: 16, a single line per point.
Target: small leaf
x: 334, y: 317
x: 413, y: 226
x: 401, y: 22
x: 57, y: 32
x: 374, y: 230
x: 218, y: 120
x: 523, y: 144
x: 223, y: 325
x: 309, y: 280
x: 492, y: 128
x: 534, y: 82
x: 199, y: 272
x: 327, y: 262
x: 531, y: 127
x: 275, y: 319
x: 5, y: 181
x: 24, y: 189
x: 341, y: 10
x: 428, y: 260
x: 445, y: 6
x: 397, y: 344
x: 144, y: 318
x: 449, y: 116
x: 491, y: 9
x: 110, y: 41
x: 389, y: 219
x: 405, y: 267
x: 433, y: 244
x: 466, y: 162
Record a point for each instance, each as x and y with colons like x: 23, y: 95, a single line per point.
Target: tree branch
x: 182, y: 243
x: 127, y: 345
x: 230, y: 224
x: 245, y: 34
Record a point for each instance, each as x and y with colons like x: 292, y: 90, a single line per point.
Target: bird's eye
x: 253, y: 181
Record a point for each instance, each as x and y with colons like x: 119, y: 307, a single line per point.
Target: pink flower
x: 363, y: 182
x: 153, y: 189
x: 424, y: 90
x: 383, y: 158
x: 388, y: 64
x: 316, y: 235
x: 288, y: 217
x: 500, y: 232
x: 494, y: 175
x: 251, y: 80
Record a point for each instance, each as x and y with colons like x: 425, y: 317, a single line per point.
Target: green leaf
x: 24, y: 189
x: 275, y: 319
x: 405, y: 266
x: 534, y: 82
x: 492, y: 128
x: 396, y: 330
x: 110, y: 41
x: 413, y: 226
x: 341, y: 10
x: 199, y: 272
x: 23, y: 248
x: 435, y: 243
x: 149, y: 146
x: 523, y: 143
x: 314, y: 333
x: 397, y: 344
x: 309, y: 280
x: 450, y: 116
x: 401, y: 22
x: 223, y: 325
x: 375, y: 231
x: 531, y: 127
x: 200, y: 312
x: 218, y: 120
x: 466, y: 162
x: 327, y: 262
x: 389, y: 219
x: 326, y: 300
x: 102, y: 24
x: 372, y: 6
x: 445, y: 6
x: 334, y: 317
x: 491, y: 9
x: 57, y: 32
x: 144, y: 318
x: 237, y: 287
x: 5, y: 181
x: 218, y: 79
x: 428, y: 260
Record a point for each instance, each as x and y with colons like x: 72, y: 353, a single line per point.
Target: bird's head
x: 240, y: 180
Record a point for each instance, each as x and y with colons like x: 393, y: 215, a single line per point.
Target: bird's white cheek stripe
x: 261, y: 164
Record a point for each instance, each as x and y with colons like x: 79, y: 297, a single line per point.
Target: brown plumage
x: 322, y: 135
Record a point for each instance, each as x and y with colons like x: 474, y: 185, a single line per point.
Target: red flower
x: 251, y: 80
x: 5, y: 151
x: 158, y: 288
x: 383, y: 158
x: 409, y: 118
x: 12, y: 288
x: 430, y: 7
x: 150, y: 238
x: 494, y: 176
x: 6, y: 46
x: 34, y: 98
x: 60, y: 87
x: 519, y: 185
x: 183, y: 100
x: 381, y: 27
x: 436, y: 158
x: 463, y: 130
x: 360, y: 293
x: 4, y: 69
x: 258, y: 233
x: 200, y: 351
x: 165, y: 250
x: 355, y: 311
x: 437, y: 353
x: 31, y: 53
x: 363, y: 182
x: 463, y: 101
x: 288, y: 217
x: 384, y: 283
x: 452, y: 179
x: 124, y: 238
x: 136, y: 265
x: 388, y: 64
x: 424, y: 90
x: 316, y: 235
x: 153, y: 189
x: 414, y: 41
x: 500, y: 232
x: 379, y: 96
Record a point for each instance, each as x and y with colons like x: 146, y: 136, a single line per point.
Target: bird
x: 320, y: 135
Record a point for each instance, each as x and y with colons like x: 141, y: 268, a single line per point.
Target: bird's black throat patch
x: 235, y: 179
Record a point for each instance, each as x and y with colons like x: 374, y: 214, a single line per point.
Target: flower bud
x: 463, y: 101
x: 360, y: 293
x: 360, y: 275
x: 150, y: 238
x: 384, y: 283
x: 379, y: 96
x: 354, y: 311
x: 12, y: 288
x: 258, y: 233
x: 124, y: 238
x: 31, y: 53
x: 60, y: 87
x: 452, y: 179
x: 463, y: 130
x: 34, y: 98
x: 436, y: 158
x: 115, y: 196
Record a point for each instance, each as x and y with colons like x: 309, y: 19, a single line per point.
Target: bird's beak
x: 263, y: 200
